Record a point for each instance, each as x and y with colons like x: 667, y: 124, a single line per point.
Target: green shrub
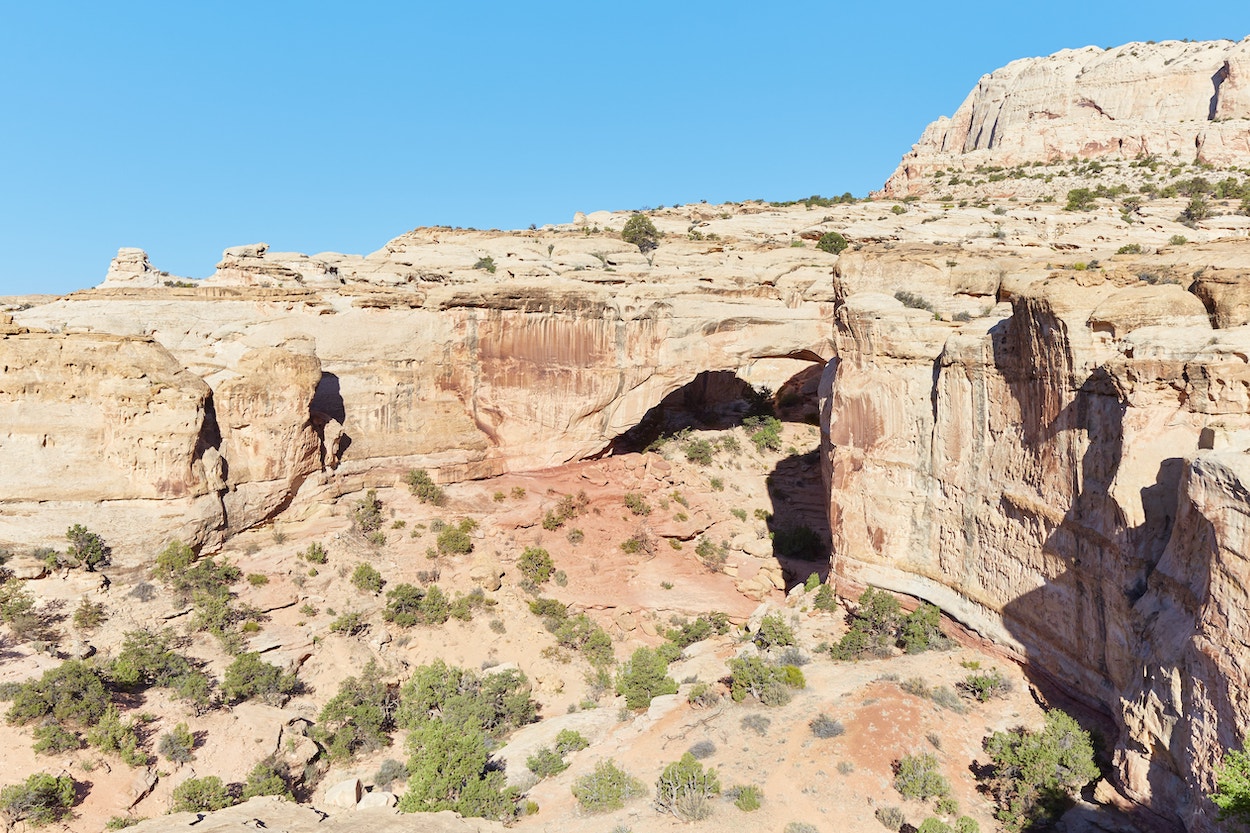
x: 713, y: 556
x: 580, y: 633
x: 41, y: 799
x: 449, y: 766
x: 607, y: 788
x: 770, y: 684
x: 550, y: 610
x: 1080, y: 199
x: 686, y: 633
x: 215, y: 614
x: 702, y: 696
x: 831, y: 242
x: 986, y: 686
x: 918, y: 776
x: 201, y: 795
x: 1196, y: 210
x: 635, y: 544
x: 921, y: 630
x: 148, y: 659
x: 51, y: 738
x: 641, y: 232
x: 699, y: 452
x: 874, y: 627
x: 643, y: 677
x: 1232, y: 787
x: 1177, y: 240
x: 455, y: 540
x: 747, y: 798
x: 637, y: 504
x: 122, y: 822
x: 250, y: 676
x: 269, y: 777
x: 685, y: 789
x: 315, y: 554
x: 367, y: 579
x: 1130, y: 249
x: 966, y: 824
x: 425, y: 489
x: 464, y: 604
x: 535, y: 564
x: 257, y: 579
x: 773, y: 632
x: 178, y: 745
x: 933, y: 825
x: 486, y: 264
x: 367, y: 514
x: 495, y: 703
x: 359, y: 717
x: 72, y: 692
x: 570, y: 740
x: 408, y: 605
x: 120, y: 737
x: 764, y: 432
x: 825, y: 599
x: 546, y: 762
x: 173, y: 562
x: 1035, y: 773
x: 86, y: 548
x: 913, y: 301
x: 18, y: 611
x: 349, y: 623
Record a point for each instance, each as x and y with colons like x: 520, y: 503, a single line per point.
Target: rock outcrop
x: 1065, y: 472
x: 1170, y: 99
x: 131, y: 267
x: 1040, y: 429
x: 108, y: 426
x: 306, y: 385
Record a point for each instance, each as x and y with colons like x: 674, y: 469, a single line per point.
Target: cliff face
x: 202, y: 409
x: 1065, y: 473
x: 1188, y: 100
x: 1023, y: 422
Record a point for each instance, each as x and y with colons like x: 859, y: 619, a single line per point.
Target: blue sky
x: 184, y: 128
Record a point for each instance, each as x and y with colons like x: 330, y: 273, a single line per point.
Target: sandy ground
x: 835, y: 784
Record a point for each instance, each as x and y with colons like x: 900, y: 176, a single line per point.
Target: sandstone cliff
x: 306, y: 376
x: 1182, y: 99
x: 1025, y: 420
x: 1043, y: 473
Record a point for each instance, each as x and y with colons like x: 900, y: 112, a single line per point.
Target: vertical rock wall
x: 1053, y: 487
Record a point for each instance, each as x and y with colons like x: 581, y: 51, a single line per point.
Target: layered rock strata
x: 1063, y: 473
x: 283, y: 385
x: 1174, y: 100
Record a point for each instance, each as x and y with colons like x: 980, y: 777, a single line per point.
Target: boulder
x: 345, y: 793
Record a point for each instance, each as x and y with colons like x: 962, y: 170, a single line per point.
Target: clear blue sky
x: 184, y: 128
